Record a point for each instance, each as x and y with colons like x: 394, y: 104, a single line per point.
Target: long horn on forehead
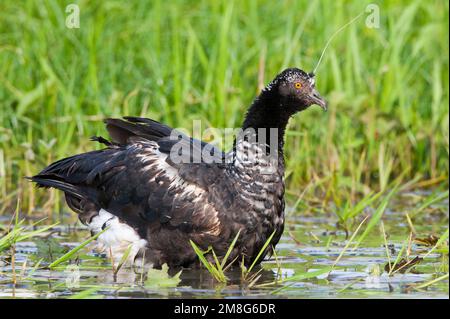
x: 332, y: 36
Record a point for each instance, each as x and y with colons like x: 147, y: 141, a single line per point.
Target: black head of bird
x: 291, y: 91
x: 297, y: 90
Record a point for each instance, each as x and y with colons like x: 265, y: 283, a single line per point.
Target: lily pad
x: 159, y: 278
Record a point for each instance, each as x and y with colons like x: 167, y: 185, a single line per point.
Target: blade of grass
x: 429, y: 283
x: 123, y: 259
x: 348, y: 243
x: 386, y: 246
x: 376, y: 217
x: 261, y: 252
x: 72, y: 252
x: 211, y: 269
x: 230, y: 249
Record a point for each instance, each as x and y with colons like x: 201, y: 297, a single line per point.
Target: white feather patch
x: 118, y: 237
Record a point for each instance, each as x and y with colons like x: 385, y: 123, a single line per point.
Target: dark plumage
x: 139, y: 188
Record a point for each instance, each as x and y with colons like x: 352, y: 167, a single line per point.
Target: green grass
x: 177, y: 61
x: 75, y: 250
x: 217, y: 268
x: 16, y: 231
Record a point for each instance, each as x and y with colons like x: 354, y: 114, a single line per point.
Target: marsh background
x: 179, y: 61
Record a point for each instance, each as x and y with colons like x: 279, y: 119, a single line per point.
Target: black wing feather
x: 129, y: 178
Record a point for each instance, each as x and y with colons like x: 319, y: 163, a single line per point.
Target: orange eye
x: 298, y: 85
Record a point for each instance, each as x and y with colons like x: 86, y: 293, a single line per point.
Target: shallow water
x: 359, y: 274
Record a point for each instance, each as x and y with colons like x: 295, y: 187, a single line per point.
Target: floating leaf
x: 49, y: 249
x: 160, y: 278
x: 428, y: 241
x: 402, y: 266
x: 441, y: 241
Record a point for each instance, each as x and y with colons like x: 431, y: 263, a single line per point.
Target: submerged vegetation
x: 387, y: 263
x: 375, y: 167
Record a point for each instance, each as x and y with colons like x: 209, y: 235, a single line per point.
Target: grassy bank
x: 177, y: 61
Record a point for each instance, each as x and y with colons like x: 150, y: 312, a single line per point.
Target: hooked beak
x: 317, y: 99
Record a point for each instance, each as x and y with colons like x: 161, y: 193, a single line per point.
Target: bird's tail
x: 50, y: 180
